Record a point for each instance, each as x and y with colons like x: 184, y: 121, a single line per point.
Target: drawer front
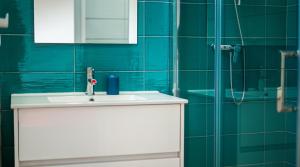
x: 59, y: 133
x: 175, y: 162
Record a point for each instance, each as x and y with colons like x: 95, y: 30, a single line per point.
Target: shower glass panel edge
x: 298, y: 120
x: 218, y: 81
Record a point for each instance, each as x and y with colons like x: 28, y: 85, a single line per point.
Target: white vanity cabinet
x: 147, y: 132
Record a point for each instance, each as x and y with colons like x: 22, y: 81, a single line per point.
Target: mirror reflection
x: 85, y: 21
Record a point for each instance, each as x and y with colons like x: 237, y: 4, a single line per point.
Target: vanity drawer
x: 62, y: 133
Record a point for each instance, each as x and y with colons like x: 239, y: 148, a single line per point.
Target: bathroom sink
x: 96, y: 98
x: 80, y: 99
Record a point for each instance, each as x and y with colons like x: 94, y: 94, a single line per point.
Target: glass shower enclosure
x: 237, y: 64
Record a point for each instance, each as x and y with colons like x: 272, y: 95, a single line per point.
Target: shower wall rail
x: 281, y: 106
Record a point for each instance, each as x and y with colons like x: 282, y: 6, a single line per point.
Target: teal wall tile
x: 274, y: 121
x: 198, y: 14
x: 20, y: 54
x: 129, y: 81
x: 210, y: 119
x: 230, y: 119
x: 158, y: 81
x: 158, y: 53
x: 158, y: 19
x: 291, y: 148
x: 251, y: 149
x: 252, y: 117
x: 292, y: 16
x: 193, y: 53
x: 195, y: 152
x: 276, y: 16
x: 111, y: 57
x: 248, y: 15
x: 276, y: 2
x: 275, y: 147
x: 229, y: 155
x: 196, y: 120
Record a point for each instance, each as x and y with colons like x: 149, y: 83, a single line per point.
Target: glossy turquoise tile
x: 197, y: 13
x: 157, y: 81
x: 193, y: 80
x: 275, y: 21
x: 111, y: 57
x: 274, y: 121
x: 273, y: 48
x: 158, y: 53
x: 229, y: 155
x: 195, y: 1
x: 196, y: 120
x: 292, y: 20
x: 157, y: 19
x: 276, y: 2
x: 244, y: 2
x: 252, y: 117
x: 35, y: 83
x: 141, y: 19
x: 210, y: 156
x: 291, y: 78
x: 20, y: 54
x: 21, y: 16
x: 273, y: 78
x: 129, y: 81
x: 292, y: 2
x: 291, y: 122
x: 249, y: 15
x: 291, y: 148
x: 281, y: 164
x: 210, y: 116
x: 230, y: 119
x: 8, y: 156
x: 275, y: 147
x: 251, y: 149
x: 193, y: 53
x: 255, y: 56
x: 195, y: 152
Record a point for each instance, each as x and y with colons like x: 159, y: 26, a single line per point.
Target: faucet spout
x: 91, y: 82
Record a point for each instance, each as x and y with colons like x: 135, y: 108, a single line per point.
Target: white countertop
x: 79, y: 99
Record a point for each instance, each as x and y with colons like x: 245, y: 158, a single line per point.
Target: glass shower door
x: 252, y: 131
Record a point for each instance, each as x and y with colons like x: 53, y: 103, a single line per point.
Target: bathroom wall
x: 253, y: 134
x: 28, y: 67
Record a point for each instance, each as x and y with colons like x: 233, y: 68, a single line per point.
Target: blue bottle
x: 112, y: 85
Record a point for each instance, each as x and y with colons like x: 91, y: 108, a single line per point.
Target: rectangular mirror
x: 85, y: 21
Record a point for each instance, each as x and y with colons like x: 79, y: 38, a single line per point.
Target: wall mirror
x: 85, y: 21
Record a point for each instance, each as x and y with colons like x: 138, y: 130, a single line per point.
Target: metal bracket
x: 281, y: 90
x: 4, y: 22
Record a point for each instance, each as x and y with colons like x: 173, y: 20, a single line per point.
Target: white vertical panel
x: 54, y: 21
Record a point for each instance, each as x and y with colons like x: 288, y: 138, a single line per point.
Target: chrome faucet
x: 91, y: 82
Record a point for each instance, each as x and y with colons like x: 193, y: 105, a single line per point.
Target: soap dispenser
x: 112, y: 85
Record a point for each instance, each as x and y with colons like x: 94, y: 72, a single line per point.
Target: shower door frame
x: 218, y: 82
x: 298, y: 120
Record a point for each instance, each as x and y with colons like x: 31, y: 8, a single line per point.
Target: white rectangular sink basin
x: 96, y: 98
x: 80, y: 99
